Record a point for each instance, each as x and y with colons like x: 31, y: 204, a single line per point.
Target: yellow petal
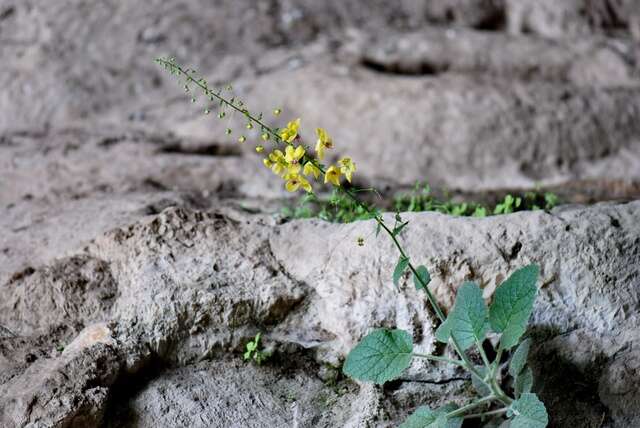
x: 293, y: 169
x: 288, y: 153
x: 310, y: 168
x: 299, y: 152
x: 292, y: 185
x: 320, y: 149
x: 267, y: 163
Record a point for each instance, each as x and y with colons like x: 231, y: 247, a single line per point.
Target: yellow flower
x: 290, y: 133
x: 310, y: 168
x: 259, y: 148
x: 278, y: 162
x: 296, y: 181
x: 332, y: 175
x: 324, y: 142
x: 293, y: 155
x: 267, y: 163
x: 347, y: 167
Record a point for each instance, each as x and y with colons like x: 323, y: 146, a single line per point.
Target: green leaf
x: 381, y: 356
x: 423, y: 273
x: 443, y: 332
x: 403, y: 262
x: 468, y: 319
x: 519, y: 358
x: 529, y: 412
x: 424, y: 417
x: 523, y: 382
x: 512, y: 305
x: 481, y: 388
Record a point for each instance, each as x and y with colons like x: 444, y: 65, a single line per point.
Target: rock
x: 236, y: 394
x: 457, y: 133
x: 193, y: 286
x: 572, y: 18
x: 588, y: 62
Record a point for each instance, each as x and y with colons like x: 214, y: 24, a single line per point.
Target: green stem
x: 483, y: 414
x: 462, y: 410
x: 223, y: 100
x: 441, y: 359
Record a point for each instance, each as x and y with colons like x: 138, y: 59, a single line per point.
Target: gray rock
x: 193, y: 286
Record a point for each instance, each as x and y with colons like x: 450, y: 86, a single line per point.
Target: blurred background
x: 477, y: 97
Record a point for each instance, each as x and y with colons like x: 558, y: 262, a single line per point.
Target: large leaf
x: 424, y: 417
x: 467, y: 322
x: 529, y: 412
x: 423, y: 273
x: 519, y: 358
x: 512, y: 305
x: 523, y: 382
x: 402, y: 264
x: 381, y: 356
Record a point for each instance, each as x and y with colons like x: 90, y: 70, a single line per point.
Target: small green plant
x: 253, y: 351
x: 508, y: 205
x: 384, y: 354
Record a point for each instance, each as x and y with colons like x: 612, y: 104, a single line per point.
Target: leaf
x: 512, y: 305
x: 424, y: 417
x: 443, y: 332
x: 481, y: 388
x: 529, y: 412
x: 381, y: 356
x: 423, y: 273
x: 467, y: 320
x: 399, y: 270
x: 519, y: 358
x: 523, y: 382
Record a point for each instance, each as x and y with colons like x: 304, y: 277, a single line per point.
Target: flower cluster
x: 296, y: 166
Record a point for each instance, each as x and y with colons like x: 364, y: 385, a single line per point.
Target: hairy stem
x: 462, y: 410
x: 441, y: 359
x: 483, y: 414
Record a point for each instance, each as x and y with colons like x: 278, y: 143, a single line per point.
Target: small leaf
x: 399, y: 270
x: 481, y: 388
x: 423, y: 273
x: 424, y: 417
x: 519, y: 358
x: 523, y: 382
x: 443, y: 332
x: 529, y: 412
x: 468, y: 319
x: 381, y: 356
x: 512, y: 305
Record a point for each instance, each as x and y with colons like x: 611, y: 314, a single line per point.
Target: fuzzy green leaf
x: 381, y: 356
x: 403, y: 262
x: 424, y: 417
x: 481, y: 388
x: 512, y: 305
x: 519, y: 358
x: 468, y: 319
x: 529, y: 412
x: 443, y: 332
x: 523, y: 382
x: 423, y: 273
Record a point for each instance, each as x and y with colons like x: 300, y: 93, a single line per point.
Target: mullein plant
x: 503, y: 385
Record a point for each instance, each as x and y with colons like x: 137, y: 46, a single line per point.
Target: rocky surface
x: 141, y: 247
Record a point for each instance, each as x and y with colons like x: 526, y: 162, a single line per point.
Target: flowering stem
x: 177, y: 69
